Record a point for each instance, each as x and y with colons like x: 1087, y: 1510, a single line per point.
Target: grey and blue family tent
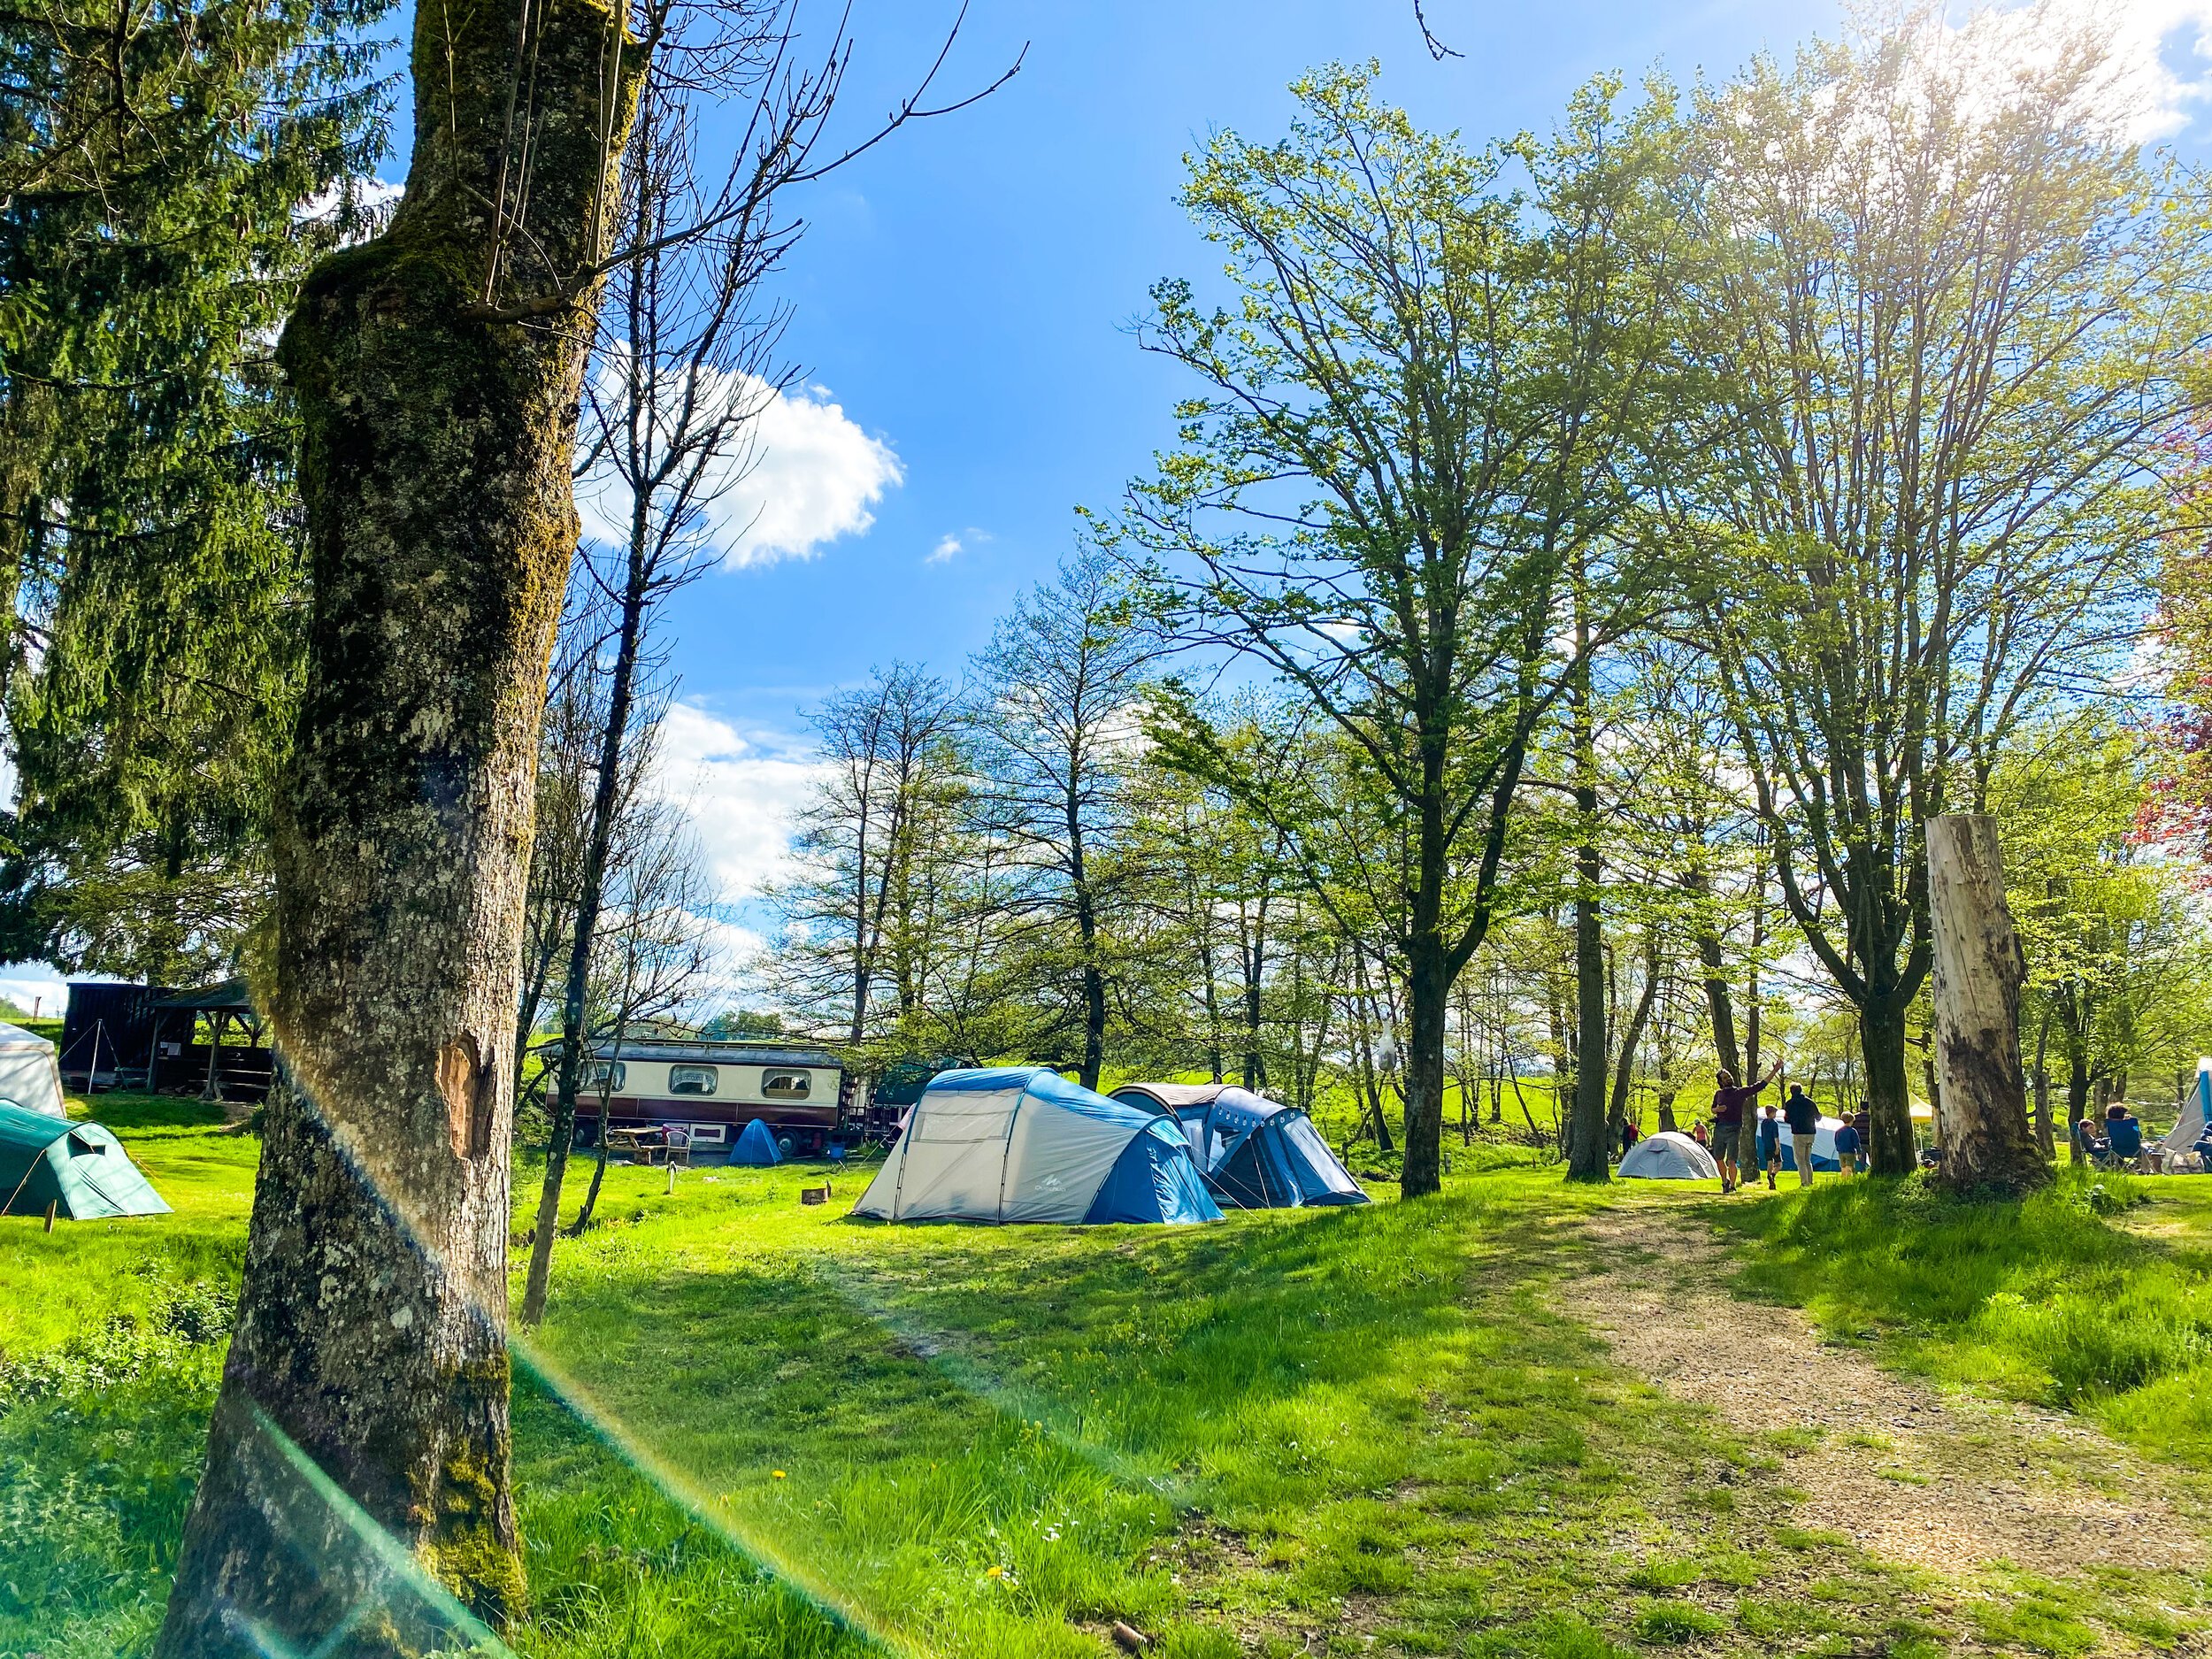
x: 1824, y: 1158
x: 756, y: 1146
x: 80, y: 1169
x: 1022, y: 1143
x: 1257, y: 1154
x: 1668, y: 1156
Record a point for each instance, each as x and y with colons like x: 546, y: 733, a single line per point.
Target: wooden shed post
x: 213, y: 1089
x: 1982, y: 1132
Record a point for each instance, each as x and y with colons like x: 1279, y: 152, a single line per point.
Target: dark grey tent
x: 1255, y: 1153
x: 757, y: 1145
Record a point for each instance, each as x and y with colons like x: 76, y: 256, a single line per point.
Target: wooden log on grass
x: 1983, y: 1139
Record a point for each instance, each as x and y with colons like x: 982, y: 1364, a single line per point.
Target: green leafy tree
x: 2111, y: 927
x: 1429, y: 425
x: 170, y: 173
x: 1956, y: 318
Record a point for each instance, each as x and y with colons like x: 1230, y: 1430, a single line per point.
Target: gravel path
x: 1948, y: 1483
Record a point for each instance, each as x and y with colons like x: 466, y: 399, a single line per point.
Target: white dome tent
x: 29, y: 1075
x: 1022, y: 1143
x: 1668, y: 1156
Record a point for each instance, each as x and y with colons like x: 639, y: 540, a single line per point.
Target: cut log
x: 1984, y: 1138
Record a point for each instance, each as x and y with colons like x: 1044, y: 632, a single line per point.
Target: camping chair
x: 2123, y: 1143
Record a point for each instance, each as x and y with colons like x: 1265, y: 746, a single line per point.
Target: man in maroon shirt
x: 1729, y: 1104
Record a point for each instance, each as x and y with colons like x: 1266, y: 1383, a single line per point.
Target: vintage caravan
x: 706, y: 1092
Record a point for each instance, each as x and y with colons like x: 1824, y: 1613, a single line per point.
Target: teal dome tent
x: 80, y: 1169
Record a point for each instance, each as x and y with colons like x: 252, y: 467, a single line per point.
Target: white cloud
x: 804, y: 476
x: 742, y: 795
x: 942, y: 552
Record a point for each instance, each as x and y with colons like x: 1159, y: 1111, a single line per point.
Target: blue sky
x: 965, y: 292
x: 963, y: 299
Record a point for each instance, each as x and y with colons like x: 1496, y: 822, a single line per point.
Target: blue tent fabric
x: 1154, y: 1180
x: 756, y: 1146
x: 1825, y: 1159
x: 1022, y: 1143
x: 1257, y: 1154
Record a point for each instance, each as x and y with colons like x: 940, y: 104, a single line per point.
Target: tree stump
x: 1983, y: 1139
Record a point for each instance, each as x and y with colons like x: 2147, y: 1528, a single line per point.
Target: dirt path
x: 1942, y: 1483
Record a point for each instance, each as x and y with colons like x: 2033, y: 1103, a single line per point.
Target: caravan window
x: 786, y: 1084
x: 691, y: 1079
x: 603, y: 1077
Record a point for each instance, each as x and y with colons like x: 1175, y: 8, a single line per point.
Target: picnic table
x: 652, y: 1146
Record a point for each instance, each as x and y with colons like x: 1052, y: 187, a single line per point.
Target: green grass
x: 754, y: 1428
x: 2096, y: 1295
x: 204, y: 1174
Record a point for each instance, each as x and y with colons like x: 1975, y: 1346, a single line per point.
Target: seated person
x: 2123, y: 1133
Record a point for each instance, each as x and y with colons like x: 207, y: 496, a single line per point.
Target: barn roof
x: 230, y: 996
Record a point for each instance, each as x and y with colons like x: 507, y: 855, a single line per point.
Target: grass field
x: 754, y: 1428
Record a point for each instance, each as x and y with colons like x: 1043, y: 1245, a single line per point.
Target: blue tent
x: 1824, y: 1158
x: 1022, y: 1143
x: 1258, y: 1154
x: 757, y: 1145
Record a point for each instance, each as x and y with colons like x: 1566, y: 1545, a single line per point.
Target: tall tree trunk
x: 1587, y: 1159
x: 1888, y: 1102
x: 1719, y: 1000
x: 590, y: 896
x: 370, y: 1348
x: 1624, y: 1068
x: 2043, y: 1086
x: 1094, y: 980
x: 1747, y: 1132
x: 1986, y: 1142
x: 1428, y: 995
x: 1253, y: 963
x: 2077, y: 1096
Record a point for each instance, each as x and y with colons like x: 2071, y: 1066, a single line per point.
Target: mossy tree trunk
x: 1983, y: 1127
x: 437, y: 370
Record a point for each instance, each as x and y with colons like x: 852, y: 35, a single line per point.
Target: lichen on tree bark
x: 435, y: 469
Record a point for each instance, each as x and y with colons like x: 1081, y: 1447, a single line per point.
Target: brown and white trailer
x: 706, y: 1092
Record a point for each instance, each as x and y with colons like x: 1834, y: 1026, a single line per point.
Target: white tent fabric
x: 949, y: 1163
x: 29, y: 1075
x: 1668, y: 1156
x: 1021, y: 1144
x: 2189, y: 1129
x: 1824, y: 1146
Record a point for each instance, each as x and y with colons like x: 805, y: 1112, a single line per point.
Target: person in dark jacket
x: 1769, y: 1143
x: 1729, y: 1100
x: 1630, y: 1133
x: 1803, y: 1119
